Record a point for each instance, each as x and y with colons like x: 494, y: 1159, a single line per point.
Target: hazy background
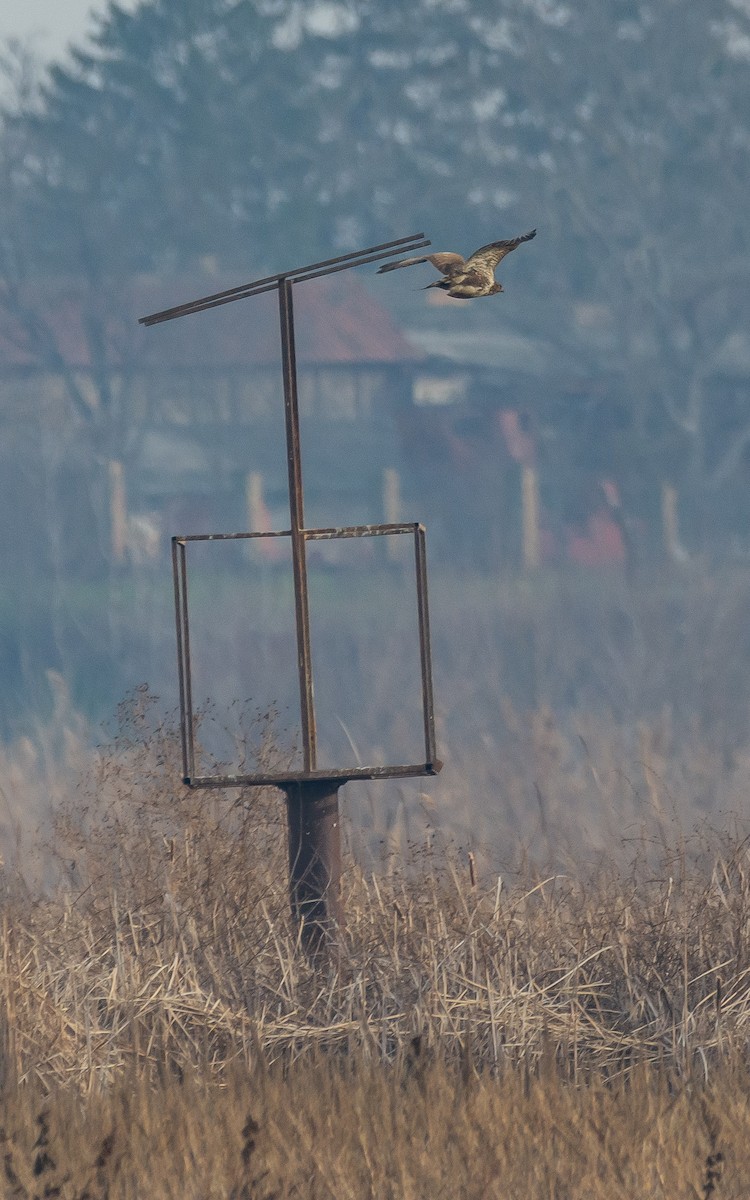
x: 579, y: 448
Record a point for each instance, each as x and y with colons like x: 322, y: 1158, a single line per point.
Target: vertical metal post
x: 297, y: 517
x: 312, y: 805
x: 315, y: 858
x: 179, y: 572
x: 425, y: 652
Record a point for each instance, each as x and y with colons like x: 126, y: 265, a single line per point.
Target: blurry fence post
x: 118, y: 512
x: 254, y: 500
x: 670, y: 522
x: 392, y: 510
x: 530, y: 518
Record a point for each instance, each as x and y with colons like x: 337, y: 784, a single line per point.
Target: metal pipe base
x: 315, y: 859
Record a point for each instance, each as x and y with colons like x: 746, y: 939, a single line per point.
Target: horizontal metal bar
x: 343, y: 776
x: 228, y: 537
x: 356, y: 531
x: 268, y: 282
x: 311, y: 535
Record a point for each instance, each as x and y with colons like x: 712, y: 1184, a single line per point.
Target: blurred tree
x: 251, y: 129
x: 648, y: 106
x: 185, y: 129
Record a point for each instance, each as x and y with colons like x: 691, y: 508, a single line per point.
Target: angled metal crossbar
x: 329, y: 266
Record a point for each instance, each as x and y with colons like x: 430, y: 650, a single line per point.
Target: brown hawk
x: 466, y: 278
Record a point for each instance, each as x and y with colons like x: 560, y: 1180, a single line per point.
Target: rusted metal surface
x: 342, y: 775
x: 360, y: 531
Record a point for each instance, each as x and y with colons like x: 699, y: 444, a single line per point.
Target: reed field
x: 563, y: 1014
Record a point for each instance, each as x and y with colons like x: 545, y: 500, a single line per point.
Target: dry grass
x: 346, y: 1130
x: 580, y: 1032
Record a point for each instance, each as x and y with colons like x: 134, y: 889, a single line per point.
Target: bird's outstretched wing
x: 443, y: 261
x: 487, y: 257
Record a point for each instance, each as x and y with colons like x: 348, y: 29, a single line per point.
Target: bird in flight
x: 466, y: 278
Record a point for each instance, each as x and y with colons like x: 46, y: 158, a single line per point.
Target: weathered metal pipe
x: 315, y: 859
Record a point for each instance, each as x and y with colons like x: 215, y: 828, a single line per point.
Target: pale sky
x: 52, y: 23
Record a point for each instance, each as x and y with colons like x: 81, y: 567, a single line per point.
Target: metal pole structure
x: 312, y: 805
x: 311, y: 794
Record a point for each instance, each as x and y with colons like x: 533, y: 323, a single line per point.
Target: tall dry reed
x: 166, y: 943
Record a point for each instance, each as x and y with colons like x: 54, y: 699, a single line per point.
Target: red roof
x: 336, y: 321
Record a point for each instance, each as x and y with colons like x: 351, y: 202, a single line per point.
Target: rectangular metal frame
x: 431, y: 764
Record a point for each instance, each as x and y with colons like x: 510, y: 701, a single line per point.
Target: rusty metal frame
x: 312, y: 793
x: 310, y: 772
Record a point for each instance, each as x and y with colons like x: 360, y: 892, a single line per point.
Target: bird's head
x: 496, y: 287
